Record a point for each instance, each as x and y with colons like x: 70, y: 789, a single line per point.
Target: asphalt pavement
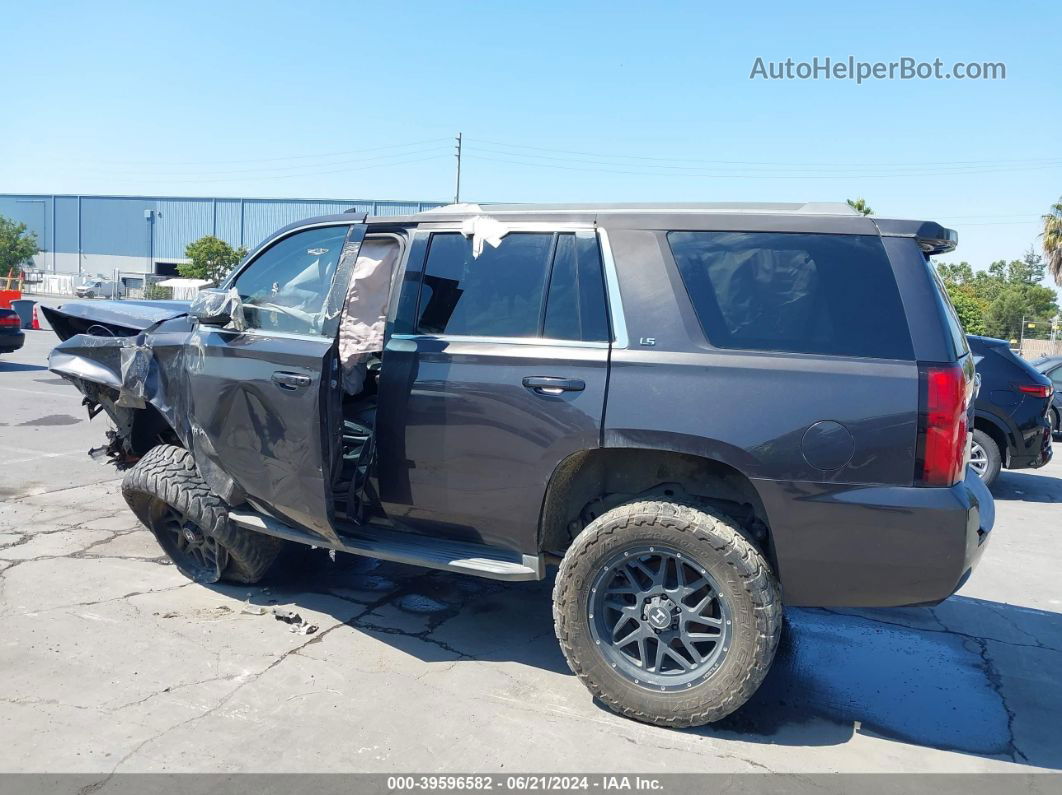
x: 112, y: 661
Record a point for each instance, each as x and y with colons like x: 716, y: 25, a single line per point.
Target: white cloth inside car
x: 361, y: 328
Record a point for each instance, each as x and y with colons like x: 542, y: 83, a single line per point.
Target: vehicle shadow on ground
x: 18, y: 367
x: 927, y: 676
x: 967, y: 675
x: 1027, y: 487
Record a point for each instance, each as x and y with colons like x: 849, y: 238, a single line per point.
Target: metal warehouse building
x: 80, y: 234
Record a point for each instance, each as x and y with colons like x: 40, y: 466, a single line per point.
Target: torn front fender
x: 97, y: 360
x: 129, y: 375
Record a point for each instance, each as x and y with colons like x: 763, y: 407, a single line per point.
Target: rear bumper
x: 11, y: 342
x: 1037, y: 450
x: 875, y: 546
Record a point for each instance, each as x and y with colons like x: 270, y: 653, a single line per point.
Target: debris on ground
x: 298, y: 626
x: 252, y: 610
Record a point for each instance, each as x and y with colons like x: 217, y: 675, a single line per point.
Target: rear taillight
x: 1036, y: 390
x: 10, y: 321
x: 945, y: 395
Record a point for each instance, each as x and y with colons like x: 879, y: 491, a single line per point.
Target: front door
x: 495, y: 373
x: 261, y: 398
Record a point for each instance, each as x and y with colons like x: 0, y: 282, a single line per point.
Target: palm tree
x: 1052, y: 236
x: 860, y: 206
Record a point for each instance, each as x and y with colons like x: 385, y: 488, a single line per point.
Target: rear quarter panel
x: 752, y: 410
x: 842, y: 534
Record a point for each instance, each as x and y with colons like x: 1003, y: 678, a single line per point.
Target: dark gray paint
x: 466, y: 450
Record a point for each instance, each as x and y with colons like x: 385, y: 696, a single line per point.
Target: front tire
x: 985, y: 459
x: 667, y: 613
x: 191, y: 523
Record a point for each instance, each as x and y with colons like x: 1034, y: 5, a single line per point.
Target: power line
x: 304, y: 174
x: 911, y: 170
x: 648, y: 171
x: 319, y: 155
x: 298, y: 168
x: 760, y: 163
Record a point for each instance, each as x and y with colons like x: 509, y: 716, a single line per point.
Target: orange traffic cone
x: 35, y: 324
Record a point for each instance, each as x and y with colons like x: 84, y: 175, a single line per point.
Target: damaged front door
x: 261, y: 387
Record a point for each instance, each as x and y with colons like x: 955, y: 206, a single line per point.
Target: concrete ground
x: 112, y: 661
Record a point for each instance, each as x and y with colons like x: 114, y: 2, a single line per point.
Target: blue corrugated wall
x: 117, y: 225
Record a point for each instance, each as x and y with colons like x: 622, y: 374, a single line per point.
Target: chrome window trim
x: 615, y: 300
x: 258, y: 332
x: 513, y: 226
x: 541, y: 341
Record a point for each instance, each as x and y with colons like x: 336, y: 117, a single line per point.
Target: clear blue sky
x: 557, y: 101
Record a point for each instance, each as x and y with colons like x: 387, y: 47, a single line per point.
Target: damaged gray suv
x: 698, y: 413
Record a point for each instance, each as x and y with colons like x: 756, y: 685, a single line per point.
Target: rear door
x: 495, y: 373
x: 264, y: 400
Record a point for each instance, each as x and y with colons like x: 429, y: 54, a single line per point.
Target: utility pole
x: 457, y: 193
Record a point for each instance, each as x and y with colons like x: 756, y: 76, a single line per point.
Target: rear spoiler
x: 931, y: 237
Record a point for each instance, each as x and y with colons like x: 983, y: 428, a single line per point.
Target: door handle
x: 552, y: 385
x: 290, y: 380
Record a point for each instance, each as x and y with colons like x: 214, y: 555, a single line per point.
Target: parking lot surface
x: 113, y: 662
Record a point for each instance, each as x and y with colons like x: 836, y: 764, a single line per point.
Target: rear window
x: 794, y: 292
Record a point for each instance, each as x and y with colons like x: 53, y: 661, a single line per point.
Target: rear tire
x: 191, y: 523
x: 699, y: 654
x: 985, y: 458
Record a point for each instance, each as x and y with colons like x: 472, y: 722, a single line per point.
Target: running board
x: 400, y: 547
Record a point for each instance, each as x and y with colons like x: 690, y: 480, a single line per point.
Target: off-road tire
x: 743, y: 577
x: 168, y: 474
x: 995, y: 459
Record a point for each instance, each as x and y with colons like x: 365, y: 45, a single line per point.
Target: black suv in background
x: 593, y: 387
x: 1012, y: 427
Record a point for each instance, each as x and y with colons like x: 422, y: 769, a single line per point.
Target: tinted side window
x: 575, y: 305
x: 804, y: 293
x: 286, y: 287
x: 498, y: 294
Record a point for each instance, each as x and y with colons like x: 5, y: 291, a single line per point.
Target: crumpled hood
x: 120, y: 318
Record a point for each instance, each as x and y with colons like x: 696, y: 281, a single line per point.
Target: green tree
x: 211, y: 259
x: 17, y: 246
x: 955, y: 273
x: 860, y: 206
x: 969, y: 308
x: 995, y: 301
x: 1052, y: 240
x: 1018, y: 302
